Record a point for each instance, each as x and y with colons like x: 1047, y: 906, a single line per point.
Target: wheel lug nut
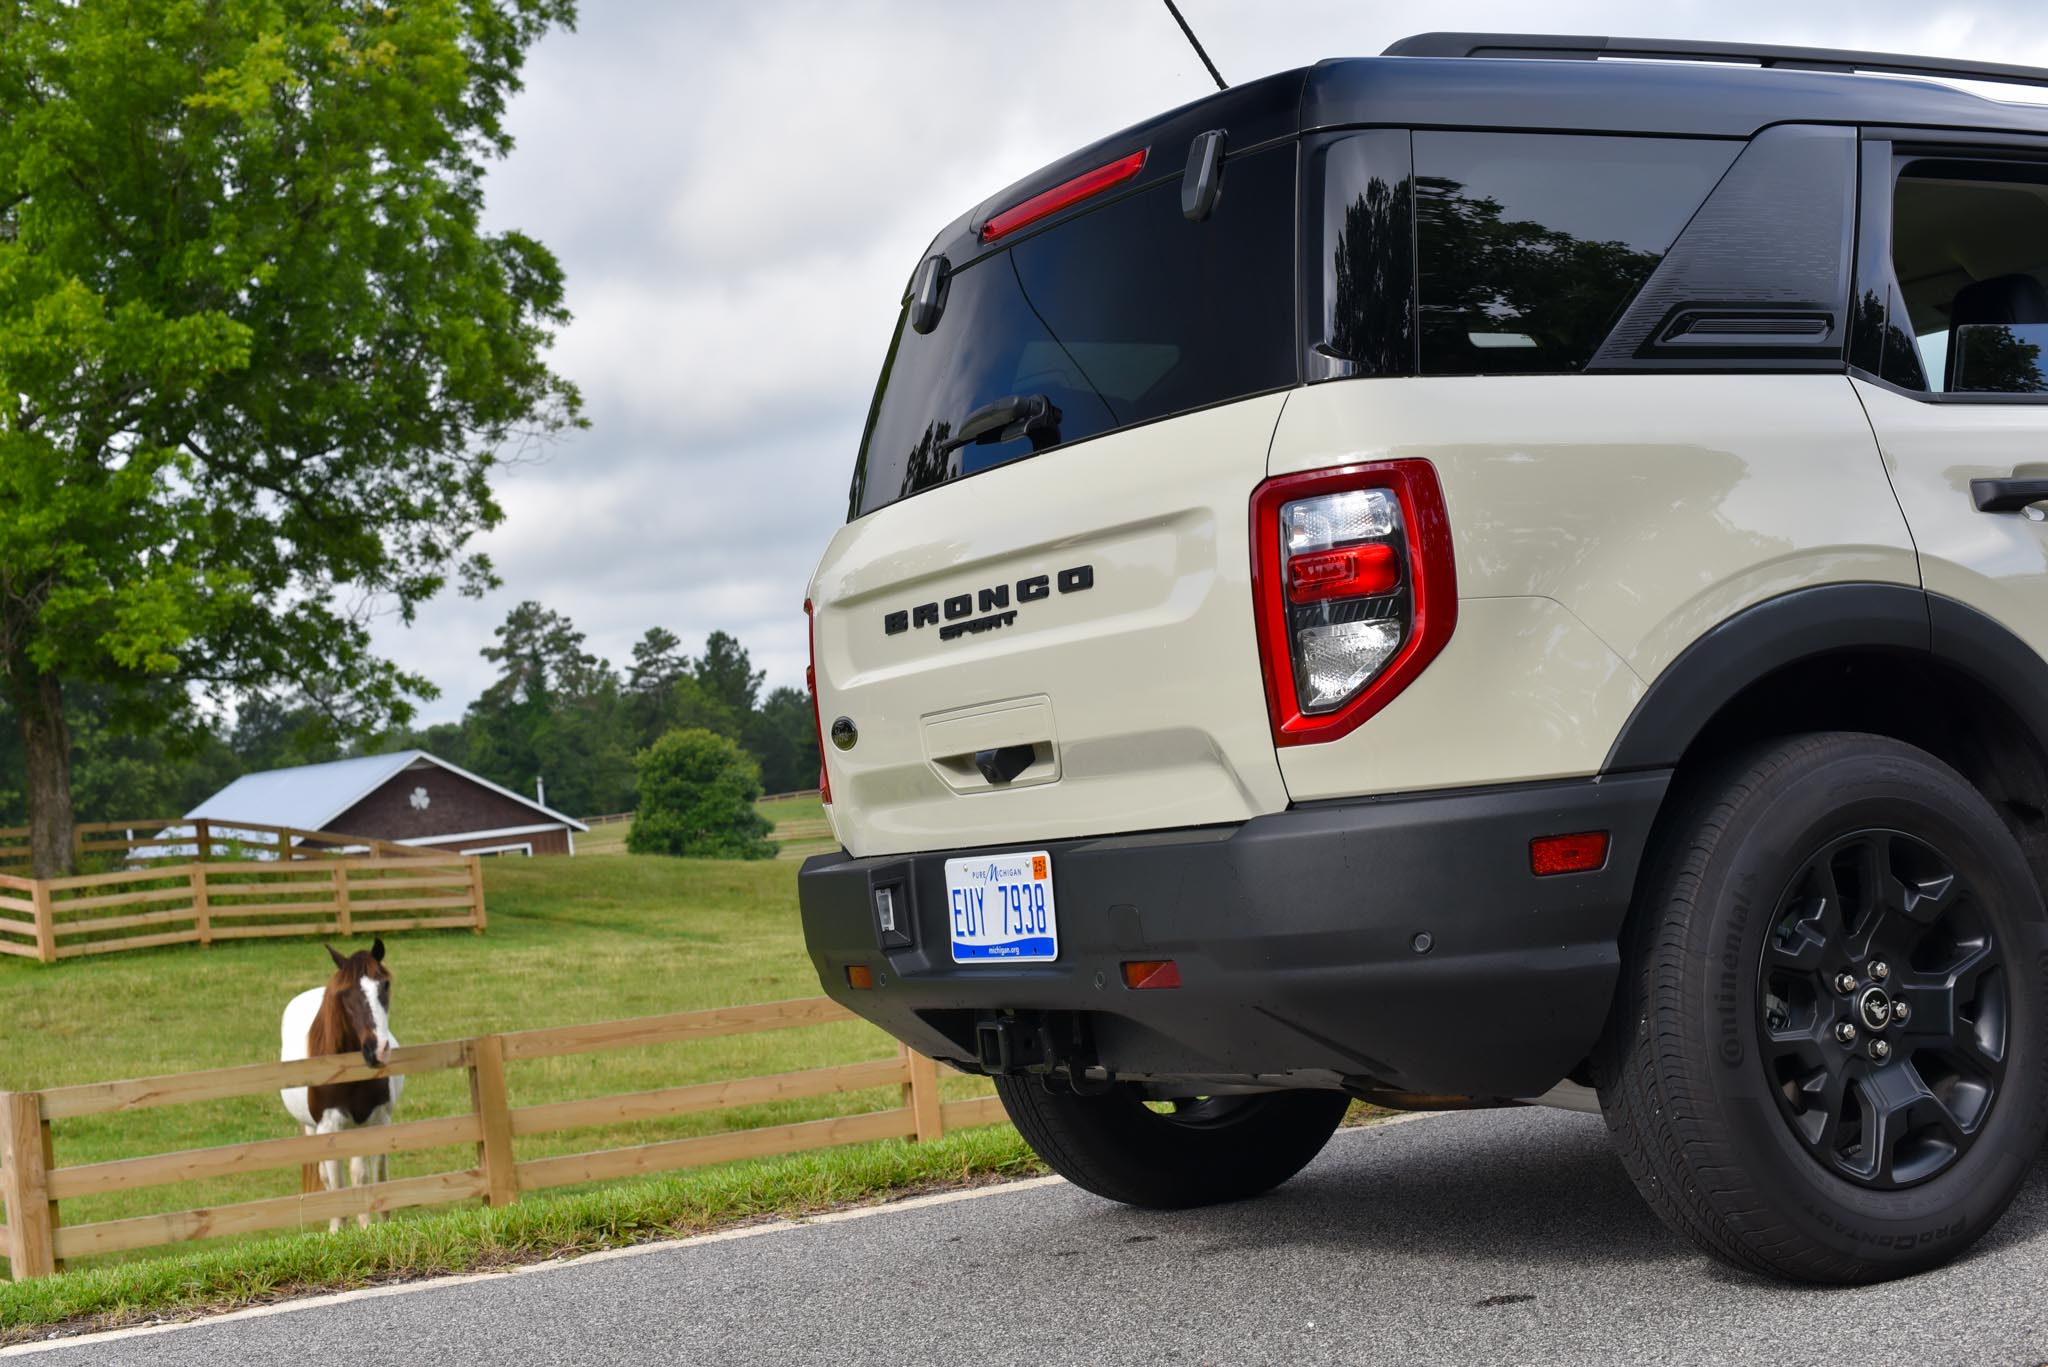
x: 1845, y: 1032
x: 1880, y: 970
x: 1845, y: 982
x: 1880, y: 1050
x: 1901, y: 1013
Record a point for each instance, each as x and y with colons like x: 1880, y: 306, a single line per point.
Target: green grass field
x: 801, y: 829
x: 570, y: 941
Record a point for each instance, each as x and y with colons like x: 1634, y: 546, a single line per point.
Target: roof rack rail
x: 1558, y: 46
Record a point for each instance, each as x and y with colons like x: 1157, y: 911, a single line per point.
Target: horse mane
x: 331, y: 1032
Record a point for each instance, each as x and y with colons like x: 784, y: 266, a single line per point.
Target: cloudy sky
x: 738, y: 191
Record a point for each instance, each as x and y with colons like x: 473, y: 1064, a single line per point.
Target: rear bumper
x: 1295, y: 935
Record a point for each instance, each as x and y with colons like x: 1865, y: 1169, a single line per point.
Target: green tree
x: 555, y: 712
x: 697, y: 796
x: 727, y: 674
x: 783, y: 736
x: 258, y: 358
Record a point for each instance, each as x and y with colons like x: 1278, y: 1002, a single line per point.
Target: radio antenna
x: 1196, y: 44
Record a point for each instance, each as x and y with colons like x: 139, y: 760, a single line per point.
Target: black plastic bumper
x: 1299, y: 938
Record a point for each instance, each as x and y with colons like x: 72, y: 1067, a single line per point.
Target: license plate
x: 1000, y: 909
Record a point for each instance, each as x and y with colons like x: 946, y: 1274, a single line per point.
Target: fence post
x: 202, y: 910
x: 31, y: 1214
x: 921, y: 1094
x: 46, y: 923
x: 204, y: 829
x: 476, y: 894
x: 493, y: 1105
x: 344, y: 915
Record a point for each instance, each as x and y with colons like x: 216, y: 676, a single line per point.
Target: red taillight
x: 1355, y: 572
x: 811, y: 682
x: 1354, y: 591
x: 1048, y: 202
x: 1582, y: 852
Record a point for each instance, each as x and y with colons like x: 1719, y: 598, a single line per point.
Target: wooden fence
x: 204, y: 887
x: 177, y: 839
x: 37, y: 1241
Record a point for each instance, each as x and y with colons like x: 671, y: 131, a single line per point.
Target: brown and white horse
x: 351, y: 1014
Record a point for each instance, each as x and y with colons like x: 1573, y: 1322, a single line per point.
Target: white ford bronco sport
x: 1476, y: 575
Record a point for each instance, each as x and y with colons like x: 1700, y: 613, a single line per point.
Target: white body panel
x: 1995, y: 562
x: 1601, y: 524
x: 1145, y: 686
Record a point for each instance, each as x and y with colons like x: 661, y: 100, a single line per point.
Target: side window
x: 1970, y: 251
x: 1530, y: 245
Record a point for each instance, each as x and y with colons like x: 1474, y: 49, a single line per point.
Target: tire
x: 1208, y: 1151
x: 1745, y: 1119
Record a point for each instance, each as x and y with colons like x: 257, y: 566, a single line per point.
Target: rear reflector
x: 860, y: 976
x: 1580, y: 853
x: 1048, y: 202
x: 1140, y: 973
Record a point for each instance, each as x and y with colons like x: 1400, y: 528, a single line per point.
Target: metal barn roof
x: 312, y: 795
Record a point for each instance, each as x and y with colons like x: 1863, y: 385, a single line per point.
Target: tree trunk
x: 39, y: 702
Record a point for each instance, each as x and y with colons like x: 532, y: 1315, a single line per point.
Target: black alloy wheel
x: 1828, y: 1056
x: 1883, y: 989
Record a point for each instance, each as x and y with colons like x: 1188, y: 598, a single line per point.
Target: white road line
x: 941, y: 1198
x: 551, y: 1265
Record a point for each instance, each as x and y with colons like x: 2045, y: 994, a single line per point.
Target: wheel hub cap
x: 1893, y: 1111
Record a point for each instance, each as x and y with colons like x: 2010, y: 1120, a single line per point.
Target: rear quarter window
x: 1530, y: 245
x: 1124, y: 314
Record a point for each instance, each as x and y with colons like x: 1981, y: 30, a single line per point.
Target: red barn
x: 409, y: 797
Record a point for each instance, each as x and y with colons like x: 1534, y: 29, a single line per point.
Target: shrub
x: 697, y: 795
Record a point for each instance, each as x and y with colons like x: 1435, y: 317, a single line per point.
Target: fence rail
x: 177, y: 839
x: 37, y: 1241
x: 208, y: 889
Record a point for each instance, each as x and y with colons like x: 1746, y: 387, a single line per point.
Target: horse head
x: 360, y: 991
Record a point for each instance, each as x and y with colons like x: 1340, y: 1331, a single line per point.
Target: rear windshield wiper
x: 1006, y: 419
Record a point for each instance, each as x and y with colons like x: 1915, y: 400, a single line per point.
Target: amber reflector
x: 860, y: 976
x: 1151, y: 973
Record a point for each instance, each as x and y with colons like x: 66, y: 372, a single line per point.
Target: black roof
x: 1671, y: 97
x: 1499, y: 88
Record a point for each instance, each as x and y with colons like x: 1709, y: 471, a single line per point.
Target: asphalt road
x: 1496, y: 1237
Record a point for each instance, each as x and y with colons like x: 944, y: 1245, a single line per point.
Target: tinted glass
x: 1366, y: 252
x: 1970, y: 255
x: 1128, y: 313
x: 1998, y: 358
x: 1530, y: 245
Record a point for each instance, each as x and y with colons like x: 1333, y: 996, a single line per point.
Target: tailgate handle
x: 1004, y: 763
x: 2007, y: 495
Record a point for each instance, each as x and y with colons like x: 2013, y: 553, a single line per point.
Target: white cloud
x: 738, y: 191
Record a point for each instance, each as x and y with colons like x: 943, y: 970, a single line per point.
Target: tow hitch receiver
x: 1010, y: 1043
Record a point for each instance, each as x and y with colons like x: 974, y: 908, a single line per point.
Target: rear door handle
x: 2007, y: 495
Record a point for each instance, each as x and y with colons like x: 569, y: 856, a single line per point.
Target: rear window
x: 1124, y: 314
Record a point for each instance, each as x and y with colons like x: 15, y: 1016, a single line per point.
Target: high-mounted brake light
x: 1354, y: 591
x: 1048, y: 202
x: 811, y: 683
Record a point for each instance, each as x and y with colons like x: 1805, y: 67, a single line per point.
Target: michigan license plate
x: 1000, y: 908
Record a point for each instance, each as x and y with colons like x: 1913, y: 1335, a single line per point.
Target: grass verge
x: 533, y: 1230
